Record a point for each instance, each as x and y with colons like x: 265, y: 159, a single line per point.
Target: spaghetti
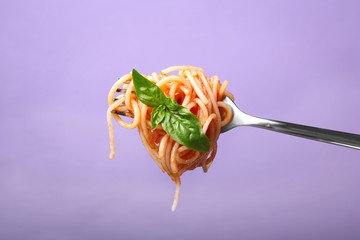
x: 192, y: 89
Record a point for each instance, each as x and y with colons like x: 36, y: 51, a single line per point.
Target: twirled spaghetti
x: 192, y: 89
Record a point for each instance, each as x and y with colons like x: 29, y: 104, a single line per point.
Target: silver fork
x: 319, y: 134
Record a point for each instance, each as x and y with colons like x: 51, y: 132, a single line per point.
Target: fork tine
x: 121, y: 90
x: 126, y: 114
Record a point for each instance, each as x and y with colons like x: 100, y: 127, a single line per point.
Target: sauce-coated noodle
x: 192, y: 89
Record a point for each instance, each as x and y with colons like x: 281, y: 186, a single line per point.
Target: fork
x: 319, y: 134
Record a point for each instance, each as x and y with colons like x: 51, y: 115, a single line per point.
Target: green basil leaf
x: 171, y: 104
x: 182, y: 126
x: 157, y: 115
x: 185, y: 128
x: 146, y: 91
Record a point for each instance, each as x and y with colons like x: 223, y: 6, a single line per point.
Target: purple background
x: 296, y: 61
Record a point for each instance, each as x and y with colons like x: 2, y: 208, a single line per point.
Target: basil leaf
x: 185, y: 128
x: 182, y: 126
x: 146, y: 91
x: 157, y: 115
x: 171, y: 104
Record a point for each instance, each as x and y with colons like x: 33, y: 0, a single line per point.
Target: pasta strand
x: 190, y: 88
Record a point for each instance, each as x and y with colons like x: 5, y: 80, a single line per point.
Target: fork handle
x: 319, y: 134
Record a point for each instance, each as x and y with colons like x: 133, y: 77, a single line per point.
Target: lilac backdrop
x: 296, y: 61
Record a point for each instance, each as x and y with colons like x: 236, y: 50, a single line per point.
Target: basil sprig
x: 181, y: 124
